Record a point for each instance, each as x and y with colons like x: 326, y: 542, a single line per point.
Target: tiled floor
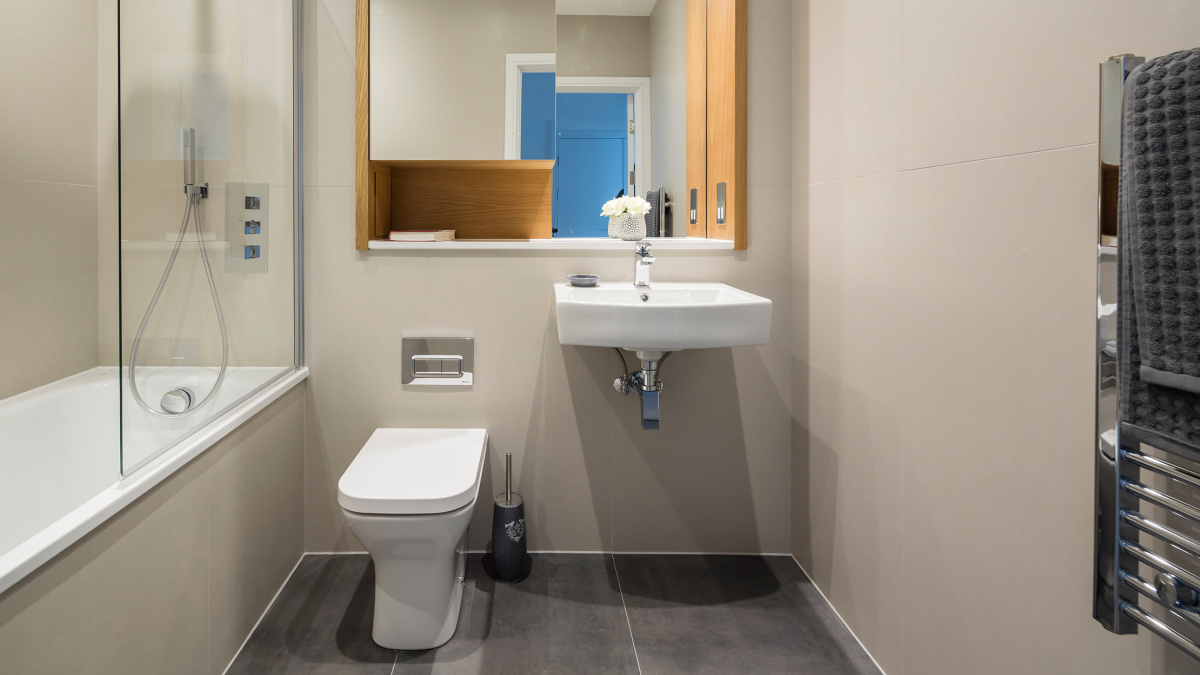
x: 574, y: 614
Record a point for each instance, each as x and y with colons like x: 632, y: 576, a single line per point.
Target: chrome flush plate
x: 437, y: 361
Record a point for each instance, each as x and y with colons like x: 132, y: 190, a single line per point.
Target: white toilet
x: 408, y: 497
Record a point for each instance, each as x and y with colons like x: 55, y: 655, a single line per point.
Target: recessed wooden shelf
x: 478, y: 199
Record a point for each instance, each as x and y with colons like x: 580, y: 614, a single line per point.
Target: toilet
x: 408, y: 498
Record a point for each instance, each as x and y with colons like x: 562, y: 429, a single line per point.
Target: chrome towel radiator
x: 1138, y: 558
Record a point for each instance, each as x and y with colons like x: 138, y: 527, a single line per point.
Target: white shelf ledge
x: 564, y: 244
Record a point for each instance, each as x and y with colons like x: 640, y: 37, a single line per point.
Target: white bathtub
x: 61, y: 445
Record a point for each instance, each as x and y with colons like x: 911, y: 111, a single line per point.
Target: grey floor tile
x: 567, y: 617
x: 733, y: 614
x: 320, y: 624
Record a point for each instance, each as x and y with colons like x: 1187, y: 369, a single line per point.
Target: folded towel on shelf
x: 654, y: 219
x: 1159, y: 240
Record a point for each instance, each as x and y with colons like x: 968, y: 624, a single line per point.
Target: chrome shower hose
x: 193, y: 204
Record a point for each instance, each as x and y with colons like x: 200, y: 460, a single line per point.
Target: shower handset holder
x: 187, y: 152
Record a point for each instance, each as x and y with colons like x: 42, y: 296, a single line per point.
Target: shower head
x: 187, y: 152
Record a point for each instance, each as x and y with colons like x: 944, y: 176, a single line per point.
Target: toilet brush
x: 509, y: 561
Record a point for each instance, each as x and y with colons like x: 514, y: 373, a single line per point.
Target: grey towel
x: 1161, y: 163
x: 1159, y: 235
x: 654, y: 224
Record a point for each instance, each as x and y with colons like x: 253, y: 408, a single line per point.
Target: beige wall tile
x: 108, y: 273
x: 850, y: 54
x: 848, y: 459
x: 602, y: 46
x: 438, y: 74
x: 51, y: 135
x: 258, y: 307
x: 48, y: 272
x: 998, y: 296
x: 329, y: 93
x: 108, y: 100
x: 668, y: 96
x: 768, y: 95
x: 256, y: 504
x: 992, y: 79
x: 230, y: 81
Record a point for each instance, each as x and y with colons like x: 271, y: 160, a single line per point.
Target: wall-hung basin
x: 655, y: 319
x: 662, y: 317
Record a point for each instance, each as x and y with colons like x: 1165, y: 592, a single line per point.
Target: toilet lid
x: 414, y: 471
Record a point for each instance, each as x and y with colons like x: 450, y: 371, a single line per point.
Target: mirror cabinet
x: 518, y: 119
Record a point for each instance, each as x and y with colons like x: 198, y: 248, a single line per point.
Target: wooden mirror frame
x: 470, y: 196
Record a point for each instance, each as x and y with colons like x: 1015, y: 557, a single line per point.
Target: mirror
x: 598, y: 86
x: 620, y: 111
x: 439, y: 74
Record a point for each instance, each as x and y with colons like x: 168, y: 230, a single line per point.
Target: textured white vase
x: 628, y: 227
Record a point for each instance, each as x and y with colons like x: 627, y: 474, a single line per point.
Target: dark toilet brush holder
x: 509, y: 561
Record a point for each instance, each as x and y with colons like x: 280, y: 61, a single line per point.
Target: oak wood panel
x: 364, y: 214
x: 726, y: 120
x: 491, y: 199
x: 381, y: 182
x: 697, y: 112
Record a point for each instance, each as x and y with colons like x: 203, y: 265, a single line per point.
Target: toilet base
x: 395, y: 626
x: 419, y: 572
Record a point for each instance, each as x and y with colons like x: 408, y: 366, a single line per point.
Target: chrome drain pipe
x: 647, y: 384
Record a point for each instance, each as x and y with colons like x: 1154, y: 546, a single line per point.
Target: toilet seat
x: 414, y: 471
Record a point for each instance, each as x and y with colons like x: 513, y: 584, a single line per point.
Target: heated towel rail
x: 1137, y: 558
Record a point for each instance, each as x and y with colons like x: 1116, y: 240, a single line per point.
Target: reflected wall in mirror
x: 621, y: 117
x: 439, y: 74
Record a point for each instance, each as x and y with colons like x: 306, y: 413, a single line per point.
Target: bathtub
x: 61, y: 449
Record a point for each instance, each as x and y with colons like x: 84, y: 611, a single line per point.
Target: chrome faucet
x: 642, y: 262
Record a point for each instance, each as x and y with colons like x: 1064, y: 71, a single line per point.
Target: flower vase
x: 628, y: 226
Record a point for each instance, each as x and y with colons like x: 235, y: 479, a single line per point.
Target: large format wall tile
x: 850, y: 58
x: 258, y: 306
x: 768, y: 95
x: 997, y: 410
x: 48, y: 123
x: 256, y: 504
x: 849, y: 440
x: 329, y: 93
x: 987, y: 79
x: 48, y: 272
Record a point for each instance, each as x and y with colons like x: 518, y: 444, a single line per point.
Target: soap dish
x: 583, y: 279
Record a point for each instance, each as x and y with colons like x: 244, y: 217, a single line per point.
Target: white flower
x: 622, y: 205
x: 613, y: 207
x: 637, y: 206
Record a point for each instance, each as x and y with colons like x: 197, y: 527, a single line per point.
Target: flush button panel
x: 246, y: 227
x: 437, y: 361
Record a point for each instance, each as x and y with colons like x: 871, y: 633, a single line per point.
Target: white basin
x: 672, y: 316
